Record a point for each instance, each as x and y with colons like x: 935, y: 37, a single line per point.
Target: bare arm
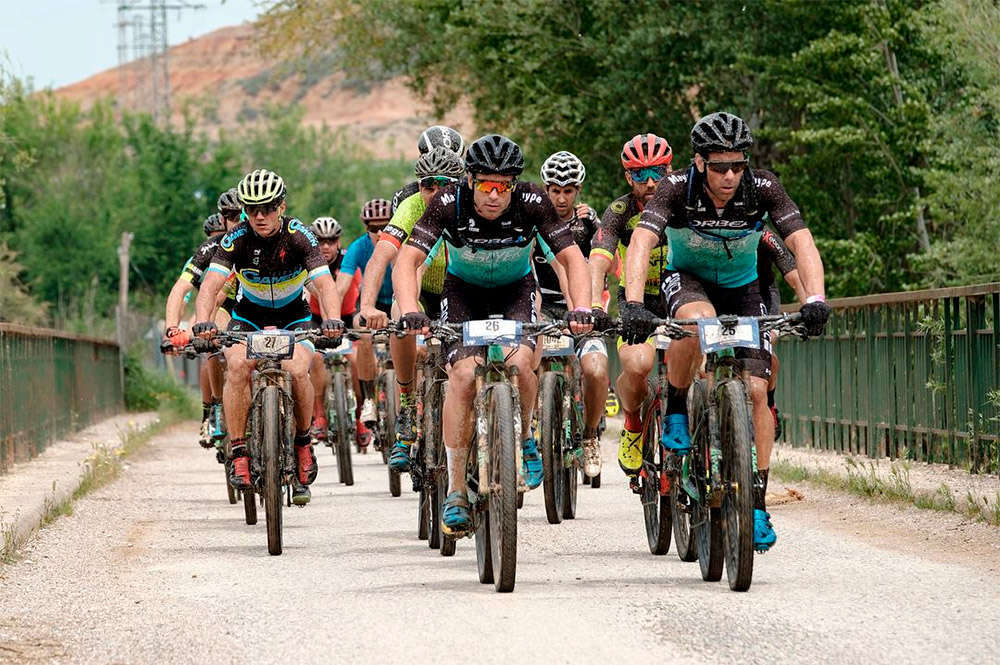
x: 329, y: 295
x: 599, y: 267
x: 342, y: 284
x: 560, y: 272
x: 795, y: 281
x: 175, y: 303
x: 576, y: 273
x: 211, y: 284
x: 810, y: 265
x: 404, y: 278
x: 637, y: 263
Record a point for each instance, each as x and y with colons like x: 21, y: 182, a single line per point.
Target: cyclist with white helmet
x: 375, y: 216
x: 437, y: 136
x: 563, y: 174
x: 435, y: 169
x: 273, y: 256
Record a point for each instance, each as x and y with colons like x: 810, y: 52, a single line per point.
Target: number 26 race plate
x: 491, y: 331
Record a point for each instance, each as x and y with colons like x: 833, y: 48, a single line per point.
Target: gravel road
x: 159, y: 568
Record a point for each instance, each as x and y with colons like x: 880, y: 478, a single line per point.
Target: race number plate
x: 663, y: 342
x: 491, y: 331
x: 271, y: 344
x: 713, y: 336
x: 557, y: 346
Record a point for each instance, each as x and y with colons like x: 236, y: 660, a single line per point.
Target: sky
x: 58, y: 42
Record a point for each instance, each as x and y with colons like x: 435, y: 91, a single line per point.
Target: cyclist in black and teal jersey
x: 489, y: 222
x: 713, y: 216
x: 435, y: 169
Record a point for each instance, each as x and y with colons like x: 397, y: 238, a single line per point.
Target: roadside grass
x: 863, y: 479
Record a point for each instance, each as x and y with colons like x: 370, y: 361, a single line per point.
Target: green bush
x: 152, y: 390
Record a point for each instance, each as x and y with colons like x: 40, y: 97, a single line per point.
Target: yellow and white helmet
x: 259, y: 187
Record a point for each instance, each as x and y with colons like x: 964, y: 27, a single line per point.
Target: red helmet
x: 646, y: 150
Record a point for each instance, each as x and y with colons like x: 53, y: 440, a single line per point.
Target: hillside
x: 228, y: 83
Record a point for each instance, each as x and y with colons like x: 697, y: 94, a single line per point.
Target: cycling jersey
x: 771, y: 252
x: 403, y: 193
x: 615, y: 232
x: 399, y: 229
x: 194, y: 268
x: 583, y: 229
x: 719, y: 246
x: 357, y: 257
x: 490, y: 253
x: 273, y: 270
x: 349, y: 303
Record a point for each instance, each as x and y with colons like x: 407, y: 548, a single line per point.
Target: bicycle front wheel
x: 503, y: 474
x: 388, y: 424
x: 345, y: 468
x: 681, y: 505
x: 550, y: 423
x: 707, y: 521
x: 271, y: 450
x: 655, y: 504
x: 736, y: 433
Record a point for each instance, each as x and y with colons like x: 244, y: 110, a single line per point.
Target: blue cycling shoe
x: 763, y: 532
x: 400, y: 458
x: 675, y: 437
x: 455, y: 517
x: 532, y: 462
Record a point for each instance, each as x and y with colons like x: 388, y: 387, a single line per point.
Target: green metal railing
x: 52, y: 383
x: 911, y: 375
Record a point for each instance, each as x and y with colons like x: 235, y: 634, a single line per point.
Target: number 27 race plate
x: 274, y: 344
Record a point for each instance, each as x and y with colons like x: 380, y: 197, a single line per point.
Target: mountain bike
x: 428, y: 463
x: 386, y: 405
x: 494, y: 469
x: 340, y: 406
x: 717, y: 475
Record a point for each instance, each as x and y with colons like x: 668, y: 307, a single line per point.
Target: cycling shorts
x: 681, y: 288
x: 431, y: 304
x: 295, y: 316
x: 461, y: 302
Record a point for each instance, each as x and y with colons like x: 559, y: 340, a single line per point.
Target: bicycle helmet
x: 720, y: 132
x: 439, y: 162
x: 375, y: 209
x: 229, y: 201
x: 326, y: 228
x: 260, y: 186
x: 644, y: 150
x: 563, y: 168
x: 213, y: 224
x: 440, y: 136
x: 495, y: 154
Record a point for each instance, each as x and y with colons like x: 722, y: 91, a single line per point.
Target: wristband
x: 597, y: 305
x: 817, y: 298
x: 582, y: 309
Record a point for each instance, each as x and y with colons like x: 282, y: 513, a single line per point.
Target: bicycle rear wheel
x: 655, y: 506
x: 271, y: 449
x: 503, y: 474
x: 736, y: 434
x: 707, y: 521
x: 388, y: 426
x: 681, y: 504
x: 550, y: 425
x: 345, y: 468
x: 433, y: 455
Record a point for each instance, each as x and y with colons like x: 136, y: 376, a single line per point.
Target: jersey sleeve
x: 229, y: 247
x: 671, y: 191
x: 305, y: 241
x: 553, y: 231
x: 609, y: 230
x: 779, y: 254
x: 430, y: 226
x: 546, y: 250
x: 785, y: 215
x: 403, y: 220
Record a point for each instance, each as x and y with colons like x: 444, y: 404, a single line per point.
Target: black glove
x: 638, y: 323
x: 326, y: 343
x: 578, y: 316
x: 166, y: 346
x: 415, y: 321
x: 601, y: 319
x: 335, y: 325
x: 204, y: 327
x: 814, y: 316
x: 202, y: 345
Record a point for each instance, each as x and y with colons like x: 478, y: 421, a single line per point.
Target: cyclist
x: 713, y: 216
x: 646, y: 159
x: 437, y: 136
x: 375, y: 216
x: 435, y: 169
x: 488, y: 222
x: 210, y: 373
x: 328, y: 231
x: 272, y: 256
x: 563, y: 174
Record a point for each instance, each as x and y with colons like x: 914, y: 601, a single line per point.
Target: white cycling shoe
x: 368, y: 412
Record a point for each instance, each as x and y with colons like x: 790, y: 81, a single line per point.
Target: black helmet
x: 229, y: 201
x: 440, y: 136
x: 214, y: 224
x: 720, y: 132
x: 494, y: 153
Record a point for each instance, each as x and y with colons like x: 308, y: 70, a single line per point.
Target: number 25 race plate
x: 491, y: 331
x: 714, y: 336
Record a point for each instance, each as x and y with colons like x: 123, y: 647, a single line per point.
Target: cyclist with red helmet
x: 646, y: 159
x: 375, y: 214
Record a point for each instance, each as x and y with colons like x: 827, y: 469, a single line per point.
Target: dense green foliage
x: 153, y: 390
x: 71, y: 182
x: 880, y: 116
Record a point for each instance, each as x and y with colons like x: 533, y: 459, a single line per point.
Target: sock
x: 589, y: 432
x: 759, y: 489
x: 632, y: 421
x: 406, y: 397
x: 302, y: 438
x: 367, y: 389
x: 770, y: 399
x: 205, y: 408
x: 676, y: 399
x: 240, y: 448
x: 405, y: 388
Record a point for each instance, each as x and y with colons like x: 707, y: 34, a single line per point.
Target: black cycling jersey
x: 771, y: 252
x: 194, y: 269
x: 583, y: 229
x: 405, y: 192
x: 615, y: 233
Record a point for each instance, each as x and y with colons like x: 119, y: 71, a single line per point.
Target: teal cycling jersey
x: 490, y: 253
x: 719, y: 245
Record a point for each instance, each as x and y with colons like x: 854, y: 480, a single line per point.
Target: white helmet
x: 563, y: 168
x: 326, y: 227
